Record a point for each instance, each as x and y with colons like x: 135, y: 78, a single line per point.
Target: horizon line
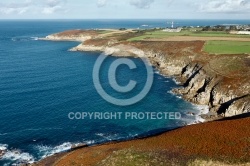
x: 121, y: 19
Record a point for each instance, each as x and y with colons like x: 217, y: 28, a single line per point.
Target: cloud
x: 15, y: 8
x: 6, y: 10
x: 141, y: 4
x: 53, y: 6
x: 225, y: 6
x: 51, y: 10
x: 101, y: 3
x: 29, y: 6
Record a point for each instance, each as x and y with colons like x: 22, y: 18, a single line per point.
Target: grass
x: 158, y: 34
x: 104, y: 31
x: 129, y: 157
x: 227, y: 47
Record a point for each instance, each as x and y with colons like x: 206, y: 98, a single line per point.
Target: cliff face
x: 67, y: 38
x: 219, y: 81
x: 202, y: 87
x: 224, y: 87
x: 225, y: 94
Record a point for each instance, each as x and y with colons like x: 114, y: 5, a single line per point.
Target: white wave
x: 171, y: 92
x: 24, y: 38
x: 194, y: 116
x: 61, y: 148
x: 107, y: 136
x: 204, y: 109
x: 90, y: 142
x: 157, y: 72
x: 132, y: 135
x: 177, y: 82
x: 34, y: 38
x: 19, y: 39
x: 99, y: 134
x: 3, y: 147
x: 15, y: 155
x: 197, y: 120
x: 46, y: 151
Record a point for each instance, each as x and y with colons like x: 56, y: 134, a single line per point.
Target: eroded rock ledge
x: 219, y: 81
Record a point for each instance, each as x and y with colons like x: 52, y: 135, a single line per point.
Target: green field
x: 103, y: 31
x: 227, y: 47
x: 158, y: 34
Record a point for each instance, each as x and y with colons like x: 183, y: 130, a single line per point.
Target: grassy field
x: 158, y: 34
x: 227, y: 47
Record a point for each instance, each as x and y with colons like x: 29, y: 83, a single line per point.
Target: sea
x: 41, y: 82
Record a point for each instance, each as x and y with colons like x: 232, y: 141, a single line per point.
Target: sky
x: 124, y: 9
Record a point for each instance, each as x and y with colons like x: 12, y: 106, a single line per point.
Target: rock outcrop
x: 66, y: 38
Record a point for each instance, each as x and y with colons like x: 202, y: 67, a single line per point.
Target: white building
x: 243, y: 33
x: 172, y: 30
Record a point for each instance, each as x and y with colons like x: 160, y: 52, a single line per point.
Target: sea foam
x: 15, y: 155
x: 46, y: 151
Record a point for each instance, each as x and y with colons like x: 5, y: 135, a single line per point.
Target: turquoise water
x: 41, y: 82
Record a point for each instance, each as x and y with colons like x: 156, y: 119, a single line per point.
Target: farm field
x: 227, y: 47
x: 159, y: 34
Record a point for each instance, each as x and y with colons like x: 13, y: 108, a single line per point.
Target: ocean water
x: 41, y: 82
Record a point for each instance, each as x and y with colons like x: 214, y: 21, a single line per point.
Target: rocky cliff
x: 219, y: 81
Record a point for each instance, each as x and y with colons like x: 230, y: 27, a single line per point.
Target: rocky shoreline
x: 202, y: 84
x: 199, y: 86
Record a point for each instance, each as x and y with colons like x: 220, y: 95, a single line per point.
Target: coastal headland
x: 219, y: 81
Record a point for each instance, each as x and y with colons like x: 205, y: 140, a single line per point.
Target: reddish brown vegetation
x: 219, y: 140
x: 97, y: 42
x: 77, y: 33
